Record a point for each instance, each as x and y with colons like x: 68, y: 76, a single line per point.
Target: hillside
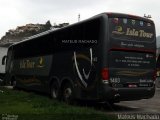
x: 22, y: 32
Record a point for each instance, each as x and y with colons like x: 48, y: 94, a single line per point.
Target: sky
x: 15, y: 13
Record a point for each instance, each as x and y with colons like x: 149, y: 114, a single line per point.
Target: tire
x: 67, y: 93
x: 55, y: 90
x: 14, y: 84
x: 158, y: 82
x: 109, y: 105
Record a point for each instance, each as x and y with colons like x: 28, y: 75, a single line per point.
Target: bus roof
x: 110, y: 14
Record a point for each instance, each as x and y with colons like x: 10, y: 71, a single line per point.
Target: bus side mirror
x: 4, y: 60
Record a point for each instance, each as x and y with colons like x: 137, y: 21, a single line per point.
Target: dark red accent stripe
x: 133, y: 49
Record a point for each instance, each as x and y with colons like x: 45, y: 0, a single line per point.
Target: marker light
x: 105, y: 75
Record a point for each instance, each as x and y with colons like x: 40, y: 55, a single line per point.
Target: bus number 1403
x: 115, y: 80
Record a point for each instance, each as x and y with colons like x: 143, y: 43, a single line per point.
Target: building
x: 3, y: 53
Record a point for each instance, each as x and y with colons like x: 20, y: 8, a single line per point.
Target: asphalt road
x: 151, y: 106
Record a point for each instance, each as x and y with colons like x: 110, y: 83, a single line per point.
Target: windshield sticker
x: 133, y: 22
x: 148, y: 24
x: 141, y: 23
x: 125, y: 21
x: 118, y: 30
x: 115, y: 20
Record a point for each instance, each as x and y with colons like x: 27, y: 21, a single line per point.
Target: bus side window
x: 4, y: 60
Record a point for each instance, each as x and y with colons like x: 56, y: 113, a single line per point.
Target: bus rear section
x: 131, y: 58
x: 158, y: 71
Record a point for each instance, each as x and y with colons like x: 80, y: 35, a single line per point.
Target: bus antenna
x: 147, y: 16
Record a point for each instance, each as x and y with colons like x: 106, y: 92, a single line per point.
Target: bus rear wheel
x: 55, y: 90
x: 67, y: 93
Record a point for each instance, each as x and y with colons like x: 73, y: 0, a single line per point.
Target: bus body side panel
x: 33, y: 73
x: 79, y: 61
x: 79, y: 67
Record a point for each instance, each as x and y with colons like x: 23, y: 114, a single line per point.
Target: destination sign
x: 129, y: 33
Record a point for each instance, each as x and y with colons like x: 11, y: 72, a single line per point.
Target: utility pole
x: 147, y: 16
x: 79, y: 16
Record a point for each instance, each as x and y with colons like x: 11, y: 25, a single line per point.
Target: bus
x: 158, y: 71
x: 109, y: 57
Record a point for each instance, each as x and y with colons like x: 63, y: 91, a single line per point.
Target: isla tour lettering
x: 145, y: 34
x: 132, y: 32
x: 24, y: 64
x: 140, y: 33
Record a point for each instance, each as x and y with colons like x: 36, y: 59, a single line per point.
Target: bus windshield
x: 131, y: 33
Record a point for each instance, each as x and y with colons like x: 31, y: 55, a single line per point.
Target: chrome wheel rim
x: 54, y: 93
x: 67, y: 93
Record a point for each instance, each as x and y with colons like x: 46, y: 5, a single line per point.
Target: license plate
x: 132, y: 86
